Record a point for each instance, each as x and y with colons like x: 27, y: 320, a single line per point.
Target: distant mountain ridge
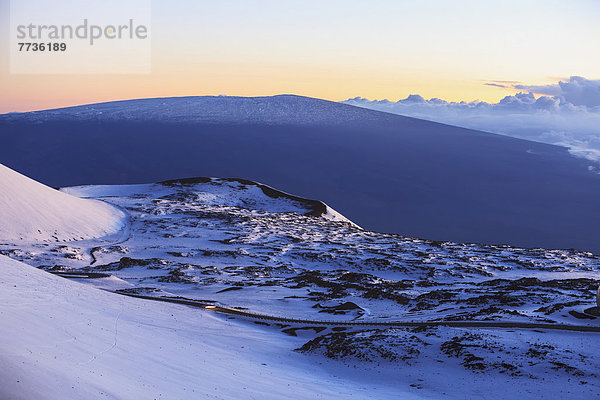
x: 286, y: 109
x: 385, y: 172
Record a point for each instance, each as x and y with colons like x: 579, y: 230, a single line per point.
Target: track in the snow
x: 209, y: 305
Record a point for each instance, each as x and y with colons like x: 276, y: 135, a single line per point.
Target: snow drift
x: 31, y: 211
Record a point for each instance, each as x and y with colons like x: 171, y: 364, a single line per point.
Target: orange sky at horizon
x: 334, y: 51
x: 86, y: 89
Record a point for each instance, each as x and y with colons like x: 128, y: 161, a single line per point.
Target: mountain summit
x: 281, y: 109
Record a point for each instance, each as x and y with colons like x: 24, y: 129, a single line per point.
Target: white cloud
x: 577, y: 91
x: 568, y: 114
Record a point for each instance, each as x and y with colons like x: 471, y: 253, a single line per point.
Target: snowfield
x: 31, y: 211
x: 65, y: 340
x: 240, y: 244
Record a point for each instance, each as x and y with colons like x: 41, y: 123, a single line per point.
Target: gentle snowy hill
x: 30, y: 211
x: 385, y: 172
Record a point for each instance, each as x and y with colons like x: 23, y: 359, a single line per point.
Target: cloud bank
x: 566, y: 114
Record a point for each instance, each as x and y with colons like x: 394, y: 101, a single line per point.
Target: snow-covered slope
x: 65, y: 340
x: 210, y: 242
x: 31, y: 211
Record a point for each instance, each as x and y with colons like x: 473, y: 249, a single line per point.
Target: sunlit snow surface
x: 33, y: 212
x: 64, y: 340
x: 230, y: 242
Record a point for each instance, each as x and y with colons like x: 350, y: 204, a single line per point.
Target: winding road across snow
x: 208, y: 305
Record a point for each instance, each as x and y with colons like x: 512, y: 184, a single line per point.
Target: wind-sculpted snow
x: 228, y: 242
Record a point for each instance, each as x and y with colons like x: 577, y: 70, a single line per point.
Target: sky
x: 566, y: 114
x: 334, y: 49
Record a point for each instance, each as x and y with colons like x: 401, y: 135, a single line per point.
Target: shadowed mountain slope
x: 385, y: 172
